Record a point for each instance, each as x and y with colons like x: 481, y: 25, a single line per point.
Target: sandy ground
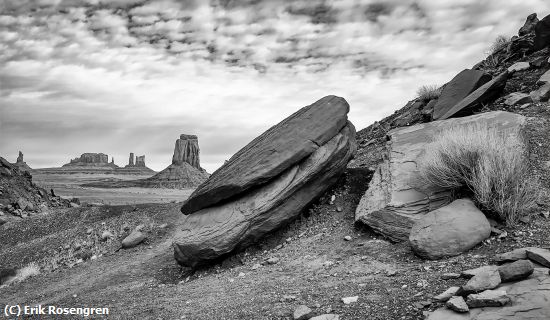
x: 68, y: 185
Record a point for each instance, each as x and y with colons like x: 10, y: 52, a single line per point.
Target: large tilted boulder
x: 270, y: 201
x: 484, y: 94
x: 393, y: 202
x: 457, y: 89
x: 277, y: 149
x: 449, y: 230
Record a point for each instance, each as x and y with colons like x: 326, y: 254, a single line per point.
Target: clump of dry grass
x: 500, y: 43
x: 428, y: 92
x: 490, y: 166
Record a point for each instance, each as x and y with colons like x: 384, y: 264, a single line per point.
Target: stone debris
x: 302, y: 312
x: 348, y: 300
x: 457, y: 304
x: 488, y: 298
x: 517, y: 270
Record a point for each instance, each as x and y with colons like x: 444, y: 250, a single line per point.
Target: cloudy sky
x: 120, y: 76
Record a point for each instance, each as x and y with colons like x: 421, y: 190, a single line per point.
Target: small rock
x: 241, y: 274
x: 517, y: 270
x: 517, y: 98
x: 75, y: 205
x: 539, y: 255
x: 489, y: 279
x: 132, y: 240
x: 514, y: 255
x: 255, y: 266
x: 488, y: 298
x: 518, y: 66
x: 348, y: 300
x: 347, y: 238
x: 288, y: 298
x: 272, y: 260
x: 473, y: 272
x: 106, y: 235
x: 450, y: 275
x: 329, y: 316
x: 302, y: 313
x: 3, y: 220
x: 447, y: 294
x: 545, y: 214
x: 457, y: 304
x: 339, y: 209
x: 391, y: 273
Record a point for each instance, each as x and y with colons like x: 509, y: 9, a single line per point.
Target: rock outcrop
x: 89, y: 159
x: 140, y: 161
x: 187, y: 150
x: 267, y: 183
x: 542, y: 34
x: 394, y: 201
x: 457, y: 89
x: 136, y: 167
x: 529, y: 25
x: 484, y: 94
x: 131, y: 160
x: 449, y: 230
x: 21, y: 164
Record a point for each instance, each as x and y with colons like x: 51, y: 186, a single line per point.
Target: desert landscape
x: 438, y: 210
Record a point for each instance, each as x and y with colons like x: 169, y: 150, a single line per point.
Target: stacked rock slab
x: 393, y: 202
x: 457, y: 89
x: 267, y: 183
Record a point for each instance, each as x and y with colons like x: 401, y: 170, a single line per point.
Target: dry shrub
x: 428, y: 92
x: 32, y: 269
x: 491, y: 167
x: 500, y: 43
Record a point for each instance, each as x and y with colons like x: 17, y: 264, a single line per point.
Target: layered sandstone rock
x: 394, y: 201
x: 89, y: 159
x: 21, y: 164
x: 267, y: 183
x: 267, y: 156
x: 140, y: 161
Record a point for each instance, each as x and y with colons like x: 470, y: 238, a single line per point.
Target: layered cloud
x: 131, y: 75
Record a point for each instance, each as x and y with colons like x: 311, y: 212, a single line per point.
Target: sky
x: 121, y: 76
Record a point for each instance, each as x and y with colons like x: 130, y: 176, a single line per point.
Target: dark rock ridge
x: 267, y: 156
x: 542, y: 34
x: 310, y: 150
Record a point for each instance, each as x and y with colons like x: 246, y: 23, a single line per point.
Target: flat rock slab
x: 519, y: 66
x: 211, y: 233
x: 457, y: 89
x: 392, y: 203
x: 485, y: 280
x: 276, y: 150
x: 447, y: 294
x: 483, y: 94
x: 488, y: 298
x: 511, y: 256
x: 474, y: 272
x: 517, y: 98
x: 457, y: 304
x: 528, y: 301
x: 449, y: 230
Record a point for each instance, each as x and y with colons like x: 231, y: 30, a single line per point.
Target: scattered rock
x: 132, y: 240
x: 519, y: 66
x: 517, y: 254
x: 255, y: 266
x: 392, y: 203
x: 391, y: 273
x: 449, y: 230
x: 457, y: 304
x: 539, y: 255
x: 517, y: 98
x: 302, y: 313
x: 347, y: 238
x: 542, y: 94
x: 273, y: 260
x: 348, y: 300
x: 517, y: 270
x: 488, y: 298
x: 457, y: 89
x: 3, y: 220
x: 485, y: 280
x: 447, y: 294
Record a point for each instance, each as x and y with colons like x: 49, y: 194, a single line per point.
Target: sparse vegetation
x: 428, y: 92
x: 500, y: 43
x: 488, y: 166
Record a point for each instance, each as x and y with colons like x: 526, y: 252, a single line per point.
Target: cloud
x: 130, y: 76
